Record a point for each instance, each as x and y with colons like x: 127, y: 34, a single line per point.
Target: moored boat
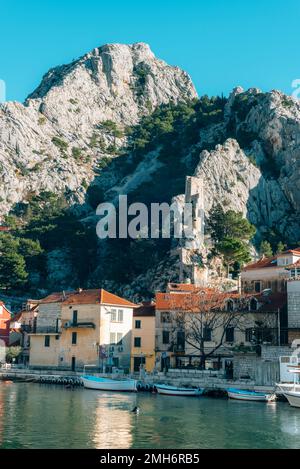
x: 106, y: 384
x: 178, y: 391
x: 293, y: 397
x: 292, y: 391
x: 245, y: 395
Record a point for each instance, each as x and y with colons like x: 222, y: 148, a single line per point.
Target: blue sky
x: 220, y: 43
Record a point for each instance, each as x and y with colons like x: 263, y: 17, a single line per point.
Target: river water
x: 49, y: 416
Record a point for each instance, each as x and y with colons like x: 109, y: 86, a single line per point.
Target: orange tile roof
x: 269, y: 261
x: 262, y: 263
x: 206, y: 298
x: 96, y: 296
x: 56, y: 297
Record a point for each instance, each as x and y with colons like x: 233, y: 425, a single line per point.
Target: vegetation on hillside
x: 231, y: 234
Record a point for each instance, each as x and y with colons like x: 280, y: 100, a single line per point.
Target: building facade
x: 86, y: 327
x: 5, y: 317
x: 143, y: 338
x: 219, y: 323
x: 270, y: 272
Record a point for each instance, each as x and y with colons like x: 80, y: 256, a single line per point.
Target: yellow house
x: 85, y: 327
x: 143, y: 338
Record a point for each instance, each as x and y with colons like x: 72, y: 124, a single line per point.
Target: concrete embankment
x: 214, y: 386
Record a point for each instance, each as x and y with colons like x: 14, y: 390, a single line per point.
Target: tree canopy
x: 231, y: 233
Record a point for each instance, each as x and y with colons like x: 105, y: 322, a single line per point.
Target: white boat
x: 106, y: 384
x: 176, y: 391
x: 293, y: 397
x: 244, y: 395
x: 286, y: 387
x: 292, y: 391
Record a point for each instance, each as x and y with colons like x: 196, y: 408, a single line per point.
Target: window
x: 166, y: 337
x: 253, y: 304
x: 138, y: 324
x: 180, y: 341
x: 113, y: 315
x: 137, y: 342
x: 75, y: 318
x: 165, y: 317
x: 47, y: 340
x: 249, y: 335
x: 207, y: 334
x: 74, y: 338
x: 119, y: 338
x: 229, y: 334
x: 257, y: 287
x: 112, y: 338
x: 120, y: 315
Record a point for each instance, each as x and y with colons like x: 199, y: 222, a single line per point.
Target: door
x: 73, y: 363
x: 137, y: 362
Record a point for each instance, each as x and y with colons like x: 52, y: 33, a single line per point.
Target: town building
x: 21, y: 326
x: 5, y: 317
x: 143, y: 338
x: 270, y: 272
x: 83, y: 327
x: 222, y: 321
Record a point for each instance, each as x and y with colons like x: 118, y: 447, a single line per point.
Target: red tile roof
x: 96, y: 296
x: 204, y: 298
x: 262, y: 263
x: 270, y: 261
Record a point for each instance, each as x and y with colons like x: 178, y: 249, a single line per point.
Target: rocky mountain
x: 55, y: 139
x: 120, y: 121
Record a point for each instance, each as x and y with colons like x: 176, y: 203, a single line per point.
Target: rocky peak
x: 54, y: 140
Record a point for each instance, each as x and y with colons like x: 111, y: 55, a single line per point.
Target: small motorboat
x: 176, y: 391
x: 244, y: 395
x: 106, y: 384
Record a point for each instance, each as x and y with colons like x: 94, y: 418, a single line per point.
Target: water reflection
x: 114, y: 421
x: 40, y: 416
x: 290, y: 421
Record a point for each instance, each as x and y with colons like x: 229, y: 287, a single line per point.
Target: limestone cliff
x: 247, y: 153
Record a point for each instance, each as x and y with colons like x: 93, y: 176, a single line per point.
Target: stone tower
x: 191, y: 249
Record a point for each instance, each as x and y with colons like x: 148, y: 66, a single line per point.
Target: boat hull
x: 248, y: 396
x: 174, y: 391
x: 102, y: 384
x: 293, y: 398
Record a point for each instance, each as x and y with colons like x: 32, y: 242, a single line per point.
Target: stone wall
x: 250, y: 366
x: 293, y: 289
x: 272, y: 352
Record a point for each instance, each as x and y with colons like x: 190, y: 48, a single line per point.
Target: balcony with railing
x: 87, y: 324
